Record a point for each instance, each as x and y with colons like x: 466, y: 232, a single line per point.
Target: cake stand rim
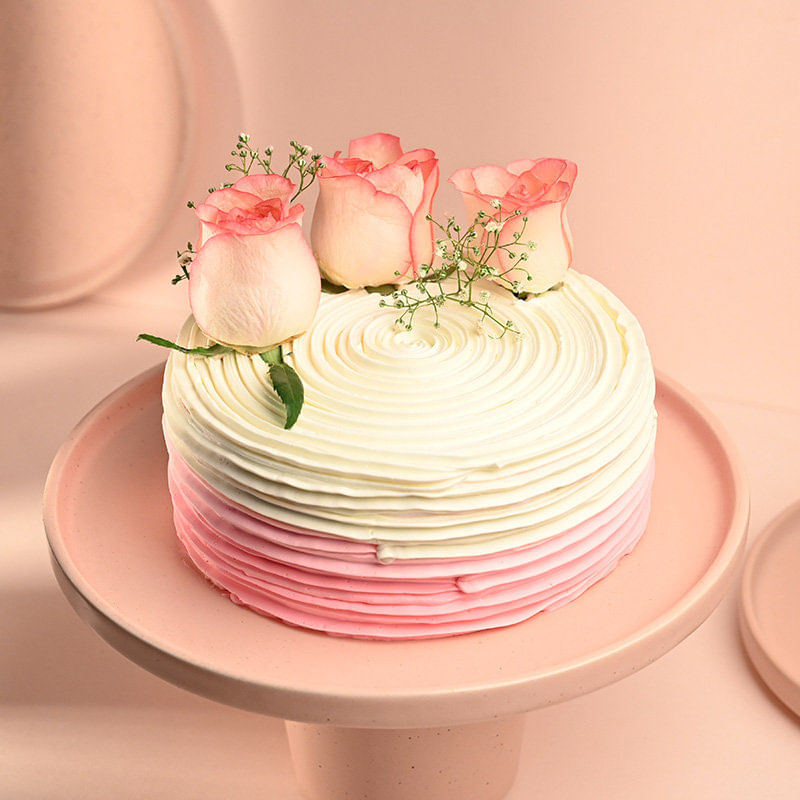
x: 381, y: 709
x: 771, y: 668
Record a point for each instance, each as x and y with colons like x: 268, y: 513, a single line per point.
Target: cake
x: 442, y: 478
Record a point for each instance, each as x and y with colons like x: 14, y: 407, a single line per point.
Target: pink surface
x: 770, y: 603
x: 338, y: 586
x: 108, y: 518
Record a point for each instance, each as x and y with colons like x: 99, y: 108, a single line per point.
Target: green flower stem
x: 274, y: 356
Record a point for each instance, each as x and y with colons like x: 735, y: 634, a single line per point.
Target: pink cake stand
x: 432, y: 719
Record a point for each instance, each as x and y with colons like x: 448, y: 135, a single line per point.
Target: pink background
x: 683, y: 119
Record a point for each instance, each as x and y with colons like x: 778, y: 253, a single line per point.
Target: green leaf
x: 332, y: 288
x: 384, y: 289
x: 214, y: 350
x: 289, y: 388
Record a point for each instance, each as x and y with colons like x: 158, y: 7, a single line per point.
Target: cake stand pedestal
x: 384, y: 720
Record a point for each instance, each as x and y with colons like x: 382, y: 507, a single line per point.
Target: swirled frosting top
x: 434, y: 442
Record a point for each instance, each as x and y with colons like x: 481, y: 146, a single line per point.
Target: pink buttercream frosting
x: 338, y: 586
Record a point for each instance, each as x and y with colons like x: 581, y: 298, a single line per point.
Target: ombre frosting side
x: 339, y: 586
x: 438, y: 481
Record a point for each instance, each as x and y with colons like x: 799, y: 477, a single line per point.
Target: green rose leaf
x: 332, y: 288
x: 214, y: 350
x: 289, y: 388
x: 384, y: 289
x: 286, y: 383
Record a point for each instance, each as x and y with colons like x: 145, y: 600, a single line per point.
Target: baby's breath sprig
x: 185, y: 258
x: 301, y: 159
x: 248, y: 157
x: 465, y: 257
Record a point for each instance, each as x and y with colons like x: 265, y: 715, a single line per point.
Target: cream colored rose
x: 370, y: 225
x: 254, y: 282
x: 539, y: 190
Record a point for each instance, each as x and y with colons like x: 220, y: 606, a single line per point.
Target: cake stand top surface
x: 108, y: 519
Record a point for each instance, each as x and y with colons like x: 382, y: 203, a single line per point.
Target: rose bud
x: 370, y: 225
x: 254, y: 281
x: 539, y: 190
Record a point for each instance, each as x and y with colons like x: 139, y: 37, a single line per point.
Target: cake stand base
x: 469, y: 762
x: 430, y: 719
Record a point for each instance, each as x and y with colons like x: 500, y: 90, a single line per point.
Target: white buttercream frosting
x: 439, y: 442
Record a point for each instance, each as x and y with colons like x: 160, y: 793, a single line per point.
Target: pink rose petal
x: 379, y: 148
x: 267, y: 187
x: 464, y: 181
x: 345, y: 166
x: 225, y: 200
x: 402, y: 182
x: 418, y: 156
x: 253, y: 205
x: 492, y: 181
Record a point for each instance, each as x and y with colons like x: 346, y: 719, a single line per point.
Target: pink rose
x: 254, y: 281
x: 369, y: 221
x: 539, y: 189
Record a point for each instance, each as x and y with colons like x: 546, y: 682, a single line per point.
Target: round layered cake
x: 440, y: 480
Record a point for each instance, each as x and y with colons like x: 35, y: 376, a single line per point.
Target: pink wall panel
x: 93, y: 174
x: 683, y: 118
